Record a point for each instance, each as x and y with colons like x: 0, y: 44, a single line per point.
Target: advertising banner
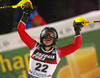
x: 64, y: 28
x: 14, y: 63
x: 14, y: 54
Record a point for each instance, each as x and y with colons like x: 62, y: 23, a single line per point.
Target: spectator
x: 35, y: 20
x: 29, y: 21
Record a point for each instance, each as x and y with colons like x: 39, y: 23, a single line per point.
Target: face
x: 48, y: 40
x: 37, y: 22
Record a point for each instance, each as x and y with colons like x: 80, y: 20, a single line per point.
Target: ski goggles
x: 50, y: 34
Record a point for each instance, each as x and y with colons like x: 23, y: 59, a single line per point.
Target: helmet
x: 43, y: 35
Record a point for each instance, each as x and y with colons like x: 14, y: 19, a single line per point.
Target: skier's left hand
x: 78, y: 26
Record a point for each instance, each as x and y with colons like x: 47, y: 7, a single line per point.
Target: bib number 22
x: 39, y: 65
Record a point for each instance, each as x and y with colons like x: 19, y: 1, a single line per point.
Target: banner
x: 14, y: 55
x: 64, y: 28
x: 81, y: 64
x: 14, y: 63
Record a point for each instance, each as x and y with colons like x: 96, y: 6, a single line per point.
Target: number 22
x: 39, y: 65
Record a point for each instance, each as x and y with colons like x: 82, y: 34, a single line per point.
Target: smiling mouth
x: 48, y: 39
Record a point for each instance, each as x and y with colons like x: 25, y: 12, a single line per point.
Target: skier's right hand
x: 27, y: 8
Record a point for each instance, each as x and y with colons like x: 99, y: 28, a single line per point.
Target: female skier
x: 43, y: 56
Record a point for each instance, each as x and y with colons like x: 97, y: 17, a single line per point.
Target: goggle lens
x: 45, y: 34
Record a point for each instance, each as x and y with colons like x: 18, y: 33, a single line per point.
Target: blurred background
x: 14, y: 54
x: 50, y: 11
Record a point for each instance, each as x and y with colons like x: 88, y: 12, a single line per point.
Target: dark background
x: 50, y: 10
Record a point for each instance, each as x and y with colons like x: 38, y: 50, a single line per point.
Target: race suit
x: 43, y: 63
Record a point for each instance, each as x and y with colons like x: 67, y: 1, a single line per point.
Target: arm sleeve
x: 24, y: 36
x: 63, y: 51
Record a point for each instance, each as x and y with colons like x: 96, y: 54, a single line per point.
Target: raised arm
x: 63, y: 51
x: 21, y: 30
